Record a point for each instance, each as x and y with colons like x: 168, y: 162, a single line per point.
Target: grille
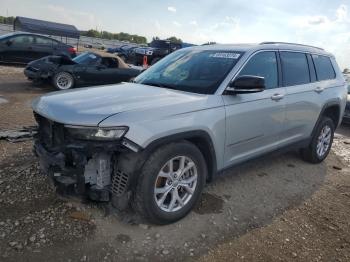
x: 50, y: 133
x: 119, y: 182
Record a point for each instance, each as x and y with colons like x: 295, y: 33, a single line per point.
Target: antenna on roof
x: 286, y: 43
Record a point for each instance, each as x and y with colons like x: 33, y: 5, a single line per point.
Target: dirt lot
x: 273, y: 209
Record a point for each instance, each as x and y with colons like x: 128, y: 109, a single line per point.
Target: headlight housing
x: 96, y: 133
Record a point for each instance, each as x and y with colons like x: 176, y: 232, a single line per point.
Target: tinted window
x: 263, y: 64
x: 43, y: 41
x: 191, y: 70
x: 324, y: 68
x: 87, y: 59
x: 295, y: 68
x: 22, y: 40
x: 54, y: 42
x: 109, y: 62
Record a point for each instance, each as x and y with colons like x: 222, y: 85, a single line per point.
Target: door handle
x: 319, y: 89
x: 277, y: 97
x: 30, y: 48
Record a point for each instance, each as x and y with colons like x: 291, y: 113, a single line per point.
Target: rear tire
x: 321, y: 142
x: 161, y: 183
x: 63, y: 81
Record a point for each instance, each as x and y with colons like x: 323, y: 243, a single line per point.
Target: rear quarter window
x: 324, y: 67
x: 295, y: 68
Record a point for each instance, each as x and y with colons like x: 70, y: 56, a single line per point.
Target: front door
x: 19, y: 49
x: 254, y: 122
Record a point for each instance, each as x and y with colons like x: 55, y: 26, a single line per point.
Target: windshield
x: 189, y: 70
x: 87, y: 59
x: 6, y: 36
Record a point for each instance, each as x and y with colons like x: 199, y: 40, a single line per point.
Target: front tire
x: 63, y: 81
x: 171, y: 182
x: 321, y: 142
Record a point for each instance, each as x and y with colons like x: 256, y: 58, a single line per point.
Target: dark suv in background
x: 26, y: 47
x: 156, y: 50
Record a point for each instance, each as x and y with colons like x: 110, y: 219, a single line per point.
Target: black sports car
x: 86, y: 69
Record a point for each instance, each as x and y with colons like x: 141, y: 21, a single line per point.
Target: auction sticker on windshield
x: 225, y: 55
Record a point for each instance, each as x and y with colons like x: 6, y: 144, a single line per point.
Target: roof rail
x: 268, y: 43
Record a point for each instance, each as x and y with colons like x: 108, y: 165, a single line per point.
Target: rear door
x: 43, y: 46
x: 303, y: 101
x: 254, y: 122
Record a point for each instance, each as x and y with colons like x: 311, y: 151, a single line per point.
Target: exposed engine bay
x: 95, y: 170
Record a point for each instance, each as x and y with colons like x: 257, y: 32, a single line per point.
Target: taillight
x: 72, y: 50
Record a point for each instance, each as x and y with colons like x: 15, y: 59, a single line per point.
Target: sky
x: 324, y: 23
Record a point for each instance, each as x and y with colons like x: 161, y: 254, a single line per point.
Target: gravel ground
x: 316, y: 230
x: 261, y: 210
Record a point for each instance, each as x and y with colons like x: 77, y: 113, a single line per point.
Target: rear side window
x: 324, y: 67
x: 43, y: 41
x: 295, y: 68
x: 263, y: 64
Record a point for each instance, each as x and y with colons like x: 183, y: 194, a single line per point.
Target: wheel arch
x: 332, y: 110
x: 201, y: 139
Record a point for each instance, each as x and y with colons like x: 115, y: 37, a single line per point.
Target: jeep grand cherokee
x: 154, y: 143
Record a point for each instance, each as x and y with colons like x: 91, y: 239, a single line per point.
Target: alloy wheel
x: 324, y: 141
x: 175, y: 184
x: 64, y: 81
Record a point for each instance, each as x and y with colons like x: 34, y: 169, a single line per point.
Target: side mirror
x: 8, y: 42
x: 246, y: 84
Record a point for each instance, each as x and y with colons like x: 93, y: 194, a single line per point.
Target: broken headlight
x: 96, y: 133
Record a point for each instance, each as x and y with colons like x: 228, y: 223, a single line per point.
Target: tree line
x: 115, y: 36
x: 124, y: 36
x: 7, y: 20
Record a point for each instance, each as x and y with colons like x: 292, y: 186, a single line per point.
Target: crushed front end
x: 79, y: 165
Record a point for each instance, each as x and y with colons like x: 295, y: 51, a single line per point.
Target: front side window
x: 324, y: 68
x: 191, y: 70
x: 263, y: 64
x: 22, y: 40
x: 295, y: 68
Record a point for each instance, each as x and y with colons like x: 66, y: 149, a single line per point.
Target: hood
x: 89, y: 106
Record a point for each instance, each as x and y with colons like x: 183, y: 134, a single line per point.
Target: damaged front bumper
x: 100, y: 171
x: 34, y: 73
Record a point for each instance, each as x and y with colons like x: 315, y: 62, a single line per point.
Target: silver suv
x: 154, y: 143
